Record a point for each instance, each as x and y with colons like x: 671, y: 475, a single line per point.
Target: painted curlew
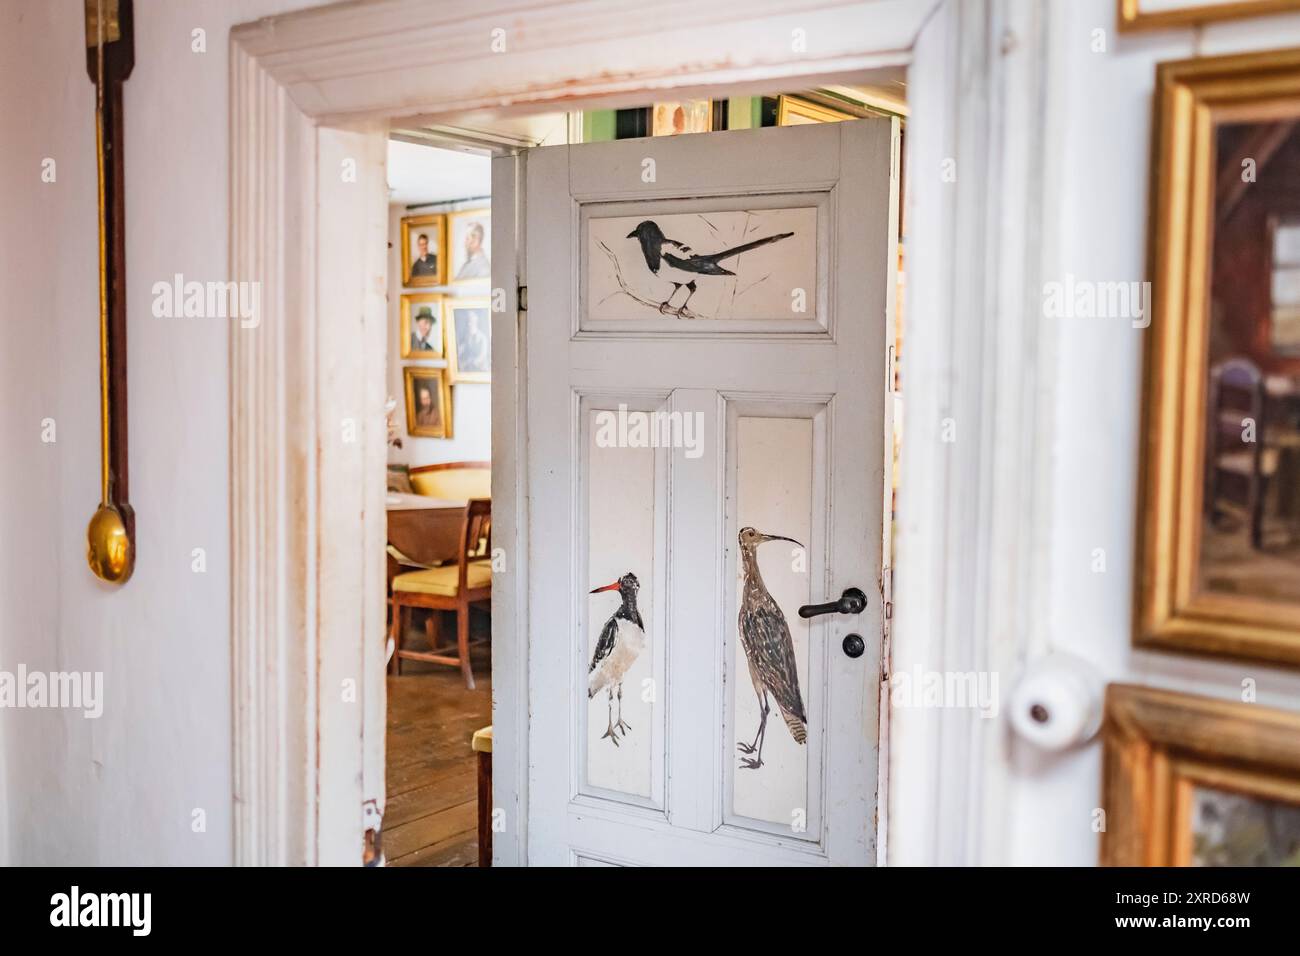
x: 765, y: 636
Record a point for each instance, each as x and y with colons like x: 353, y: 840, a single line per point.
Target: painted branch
x: 618, y: 275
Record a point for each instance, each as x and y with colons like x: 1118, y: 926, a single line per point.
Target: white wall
x: 1102, y: 236
x: 120, y: 789
x: 471, y: 402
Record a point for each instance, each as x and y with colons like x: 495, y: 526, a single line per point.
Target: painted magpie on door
x: 679, y: 264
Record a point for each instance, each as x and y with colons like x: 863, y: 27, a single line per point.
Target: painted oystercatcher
x: 621, y: 641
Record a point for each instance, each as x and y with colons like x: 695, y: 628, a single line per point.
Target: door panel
x: 774, y: 287
x: 773, y: 463
x: 761, y: 395
x: 625, y: 497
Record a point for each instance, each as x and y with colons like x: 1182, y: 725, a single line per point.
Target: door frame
x: 312, y: 95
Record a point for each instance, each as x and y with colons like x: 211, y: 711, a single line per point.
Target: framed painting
x: 469, y: 236
x: 1160, y: 14
x: 797, y: 111
x: 423, y: 253
x: 1195, y: 781
x: 428, y: 402
x: 469, y: 339
x: 1218, y: 569
x: 421, y: 328
x: 676, y: 118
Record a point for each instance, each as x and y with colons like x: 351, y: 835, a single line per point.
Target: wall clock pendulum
x: 110, y: 55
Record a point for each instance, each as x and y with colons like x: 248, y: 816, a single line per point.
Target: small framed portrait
x: 422, y: 325
x: 1162, y: 14
x: 428, y: 402
x: 469, y: 234
x: 1219, y: 534
x: 469, y: 339
x: 424, y: 260
x: 1198, y: 781
x: 687, y: 116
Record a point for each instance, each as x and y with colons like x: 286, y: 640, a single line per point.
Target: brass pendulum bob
x: 110, y: 550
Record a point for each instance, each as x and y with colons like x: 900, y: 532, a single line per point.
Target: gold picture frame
x: 468, y: 344
x: 462, y: 264
x: 435, y: 420
x: 1132, y: 15
x: 433, y: 227
x: 1159, y: 747
x: 416, y: 306
x: 797, y: 111
x: 1171, y: 610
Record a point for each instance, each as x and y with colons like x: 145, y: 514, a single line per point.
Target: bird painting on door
x: 621, y: 641
x: 715, y: 265
x: 682, y: 266
x: 769, y: 649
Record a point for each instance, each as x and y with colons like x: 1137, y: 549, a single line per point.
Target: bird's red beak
x: 607, y: 587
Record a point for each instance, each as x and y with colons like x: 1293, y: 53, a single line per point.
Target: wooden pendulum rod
x: 110, y: 55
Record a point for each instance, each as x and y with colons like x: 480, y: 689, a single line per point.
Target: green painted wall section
x: 597, y: 126
x: 743, y: 112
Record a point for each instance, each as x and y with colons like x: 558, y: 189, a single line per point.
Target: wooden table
x: 426, y: 530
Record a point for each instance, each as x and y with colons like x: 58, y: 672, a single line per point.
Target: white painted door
x: 664, y: 420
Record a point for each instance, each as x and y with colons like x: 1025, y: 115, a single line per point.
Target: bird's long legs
x: 620, y: 723
x: 609, y: 718
x: 690, y: 291
x: 753, y: 763
x: 666, y: 306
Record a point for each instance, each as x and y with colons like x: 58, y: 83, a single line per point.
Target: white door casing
x: 801, y: 408
x: 296, y: 78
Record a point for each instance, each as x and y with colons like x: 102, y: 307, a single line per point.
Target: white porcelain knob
x: 1057, y: 702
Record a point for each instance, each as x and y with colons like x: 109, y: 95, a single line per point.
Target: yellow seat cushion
x: 443, y: 581
x: 482, y: 740
x: 454, y: 484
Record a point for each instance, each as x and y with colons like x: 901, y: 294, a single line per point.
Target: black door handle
x: 852, y: 601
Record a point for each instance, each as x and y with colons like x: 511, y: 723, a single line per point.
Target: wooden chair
x: 453, y: 587
x: 1237, y: 472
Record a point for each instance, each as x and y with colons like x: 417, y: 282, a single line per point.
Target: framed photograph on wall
x: 469, y: 234
x: 428, y: 402
x: 1161, y: 14
x: 1196, y: 781
x: 469, y: 339
x: 424, y: 260
x: 1218, y: 558
x: 421, y: 329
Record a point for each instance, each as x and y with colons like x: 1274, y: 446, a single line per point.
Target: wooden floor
x: 431, y: 818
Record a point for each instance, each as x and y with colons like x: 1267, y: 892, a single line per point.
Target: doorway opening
x: 439, y: 683
x: 438, y: 504
x: 439, y: 461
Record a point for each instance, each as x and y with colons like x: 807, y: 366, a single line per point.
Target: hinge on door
x: 521, y: 296
x: 372, y: 821
x: 887, y: 612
